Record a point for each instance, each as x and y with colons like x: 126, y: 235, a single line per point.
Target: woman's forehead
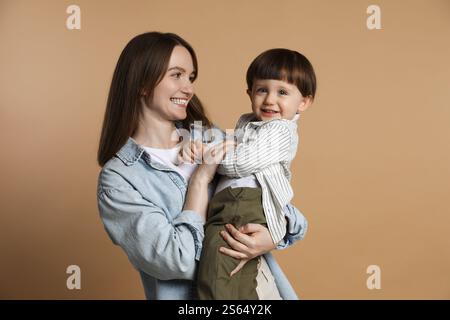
x: 181, y: 59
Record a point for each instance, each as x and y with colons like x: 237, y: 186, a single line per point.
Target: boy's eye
x: 283, y: 92
x: 261, y: 90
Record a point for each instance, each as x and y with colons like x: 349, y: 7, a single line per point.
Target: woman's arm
x: 197, y: 195
x: 252, y: 240
x: 164, y: 249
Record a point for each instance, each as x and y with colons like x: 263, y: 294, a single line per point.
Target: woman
x: 151, y: 205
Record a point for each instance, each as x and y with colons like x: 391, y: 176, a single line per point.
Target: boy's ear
x: 249, y: 92
x: 307, y: 101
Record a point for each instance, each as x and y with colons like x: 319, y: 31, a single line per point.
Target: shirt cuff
x: 194, y: 223
x: 296, y: 227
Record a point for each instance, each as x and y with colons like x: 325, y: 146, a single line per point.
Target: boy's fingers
x: 228, y: 145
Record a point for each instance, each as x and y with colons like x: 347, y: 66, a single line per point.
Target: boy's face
x: 276, y: 99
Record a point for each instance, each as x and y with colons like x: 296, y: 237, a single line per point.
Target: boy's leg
x: 237, y: 206
x: 213, y: 265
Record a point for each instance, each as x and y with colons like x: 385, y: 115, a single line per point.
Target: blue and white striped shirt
x: 266, y: 150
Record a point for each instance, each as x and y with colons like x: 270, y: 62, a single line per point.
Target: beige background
x: 372, y: 173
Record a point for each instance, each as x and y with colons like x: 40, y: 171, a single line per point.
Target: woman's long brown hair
x: 141, y: 66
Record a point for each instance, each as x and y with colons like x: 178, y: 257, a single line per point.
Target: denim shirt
x: 141, y: 206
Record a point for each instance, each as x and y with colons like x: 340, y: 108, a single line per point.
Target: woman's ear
x: 306, y: 102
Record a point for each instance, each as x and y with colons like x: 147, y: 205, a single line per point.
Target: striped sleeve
x: 267, y: 144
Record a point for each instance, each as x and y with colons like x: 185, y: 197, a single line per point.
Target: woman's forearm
x: 197, y: 196
x: 197, y: 193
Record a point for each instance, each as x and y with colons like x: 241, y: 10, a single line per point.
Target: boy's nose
x: 270, y: 99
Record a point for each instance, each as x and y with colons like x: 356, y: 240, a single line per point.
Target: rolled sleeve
x: 165, y: 249
x: 296, y: 228
x: 194, y: 223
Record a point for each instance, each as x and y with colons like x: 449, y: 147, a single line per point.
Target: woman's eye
x: 177, y: 75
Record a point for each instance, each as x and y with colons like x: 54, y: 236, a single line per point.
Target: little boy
x: 255, y: 187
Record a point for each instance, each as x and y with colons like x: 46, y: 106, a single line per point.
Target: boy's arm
x: 271, y: 145
x: 296, y: 227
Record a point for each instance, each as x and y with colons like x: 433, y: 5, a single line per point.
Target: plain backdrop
x: 372, y: 170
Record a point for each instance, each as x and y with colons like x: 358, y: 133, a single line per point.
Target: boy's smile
x: 276, y: 99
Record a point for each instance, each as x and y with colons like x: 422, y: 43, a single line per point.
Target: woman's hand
x: 211, y: 156
x: 197, y: 194
x: 191, y: 152
x: 250, y: 241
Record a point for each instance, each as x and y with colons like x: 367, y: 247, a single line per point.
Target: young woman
x: 153, y: 206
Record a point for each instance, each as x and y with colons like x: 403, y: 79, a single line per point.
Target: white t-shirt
x: 169, y: 158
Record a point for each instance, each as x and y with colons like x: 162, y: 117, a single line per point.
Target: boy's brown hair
x: 286, y: 65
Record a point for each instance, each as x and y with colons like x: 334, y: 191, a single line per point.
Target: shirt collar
x: 131, y: 152
x: 254, y: 122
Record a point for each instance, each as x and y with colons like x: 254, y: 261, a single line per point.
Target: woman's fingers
x: 233, y: 243
x: 197, y: 150
x: 185, y: 154
x: 191, y: 152
x: 251, y: 228
x: 239, y: 236
x: 233, y: 253
x: 239, y: 266
x: 237, y: 255
x: 213, y: 154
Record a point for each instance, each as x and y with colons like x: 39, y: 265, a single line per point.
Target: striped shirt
x: 266, y: 150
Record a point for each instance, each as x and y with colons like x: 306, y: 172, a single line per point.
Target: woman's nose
x: 188, y: 88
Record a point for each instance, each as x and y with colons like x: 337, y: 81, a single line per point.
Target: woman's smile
x: 180, y: 101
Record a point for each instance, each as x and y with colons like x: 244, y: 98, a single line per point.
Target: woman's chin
x: 180, y: 115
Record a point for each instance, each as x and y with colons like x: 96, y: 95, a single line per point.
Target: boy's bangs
x: 276, y: 71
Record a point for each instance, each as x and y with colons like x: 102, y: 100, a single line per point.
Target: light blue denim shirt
x: 141, y: 205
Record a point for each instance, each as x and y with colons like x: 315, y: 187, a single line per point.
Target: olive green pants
x: 237, y: 206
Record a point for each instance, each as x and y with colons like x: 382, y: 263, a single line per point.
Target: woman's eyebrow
x: 179, y: 68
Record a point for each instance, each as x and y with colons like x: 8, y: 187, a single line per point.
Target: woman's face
x: 172, y: 94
